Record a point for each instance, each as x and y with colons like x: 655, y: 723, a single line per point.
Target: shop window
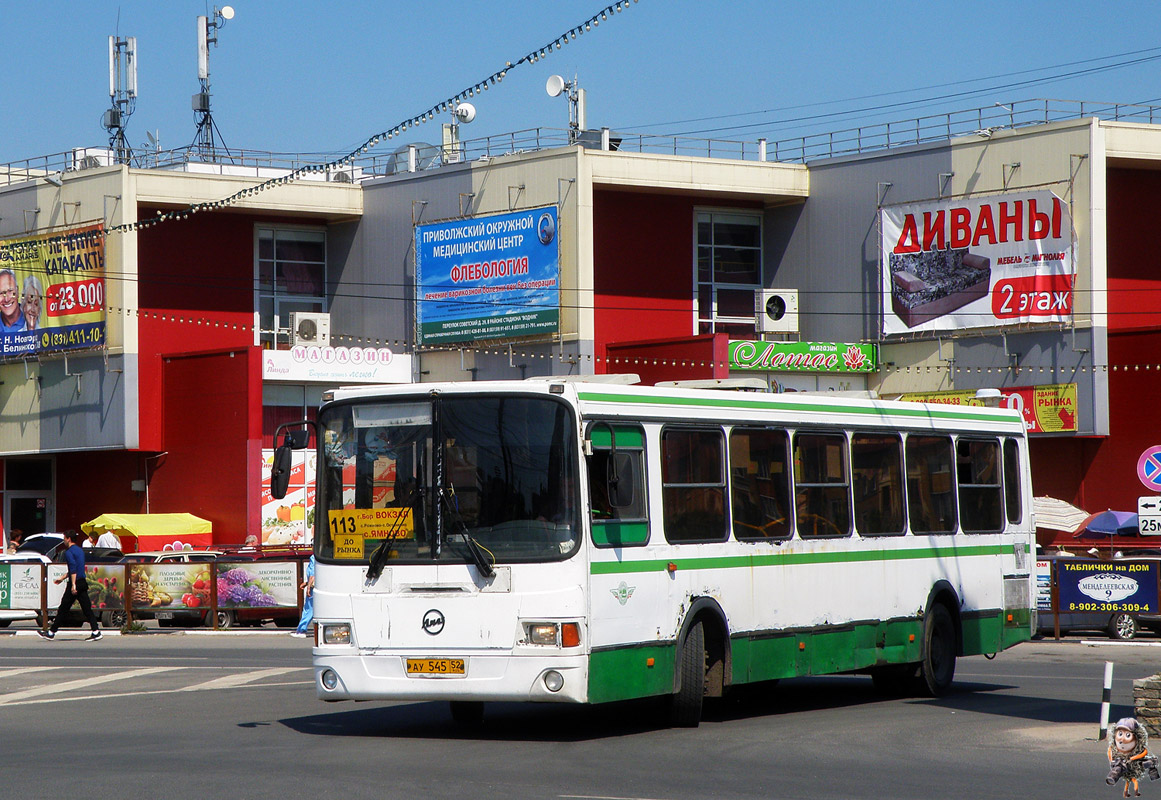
x: 693, y: 486
x: 729, y: 270
x: 822, y: 493
x: 760, y: 483
x: 291, y: 276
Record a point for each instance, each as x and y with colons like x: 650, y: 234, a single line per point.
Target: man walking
x: 77, y: 589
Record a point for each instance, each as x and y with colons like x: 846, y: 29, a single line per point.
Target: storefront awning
x: 154, y: 531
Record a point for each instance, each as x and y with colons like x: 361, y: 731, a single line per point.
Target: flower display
x: 238, y: 588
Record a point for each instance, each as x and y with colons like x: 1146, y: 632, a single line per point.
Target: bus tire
x: 685, y: 704
x: 467, y: 712
x: 937, y: 669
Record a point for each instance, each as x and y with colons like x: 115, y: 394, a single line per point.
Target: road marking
x: 69, y: 686
x: 239, y: 679
x: 8, y: 673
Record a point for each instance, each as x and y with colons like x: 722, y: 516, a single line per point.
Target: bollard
x: 1106, y: 696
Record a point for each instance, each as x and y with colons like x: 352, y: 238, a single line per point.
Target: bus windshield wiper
x: 475, y: 549
x: 381, y: 553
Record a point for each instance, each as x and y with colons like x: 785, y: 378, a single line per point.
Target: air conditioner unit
x: 310, y: 328
x: 776, y: 310
x: 90, y: 158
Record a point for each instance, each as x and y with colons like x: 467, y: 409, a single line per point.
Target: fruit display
x: 156, y: 585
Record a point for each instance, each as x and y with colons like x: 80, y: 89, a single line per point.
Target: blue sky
x: 295, y: 76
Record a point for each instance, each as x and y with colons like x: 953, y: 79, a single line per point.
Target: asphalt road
x: 233, y: 715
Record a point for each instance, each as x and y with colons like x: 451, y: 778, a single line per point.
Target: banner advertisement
x: 52, y: 291
x: 1046, y: 409
x: 981, y: 262
x: 1043, y: 585
x: 494, y: 277
x: 1123, y: 586
x: 291, y: 519
x: 258, y: 584
x: 802, y: 356
x: 106, y: 587
x: 20, y: 586
x: 164, y: 588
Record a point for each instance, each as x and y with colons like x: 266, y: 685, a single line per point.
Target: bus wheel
x: 685, y: 705
x: 938, y: 666
x: 467, y: 712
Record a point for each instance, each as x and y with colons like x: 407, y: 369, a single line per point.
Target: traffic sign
x: 1149, y: 515
x: 1149, y: 468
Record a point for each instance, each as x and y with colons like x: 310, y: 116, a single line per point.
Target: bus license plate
x: 435, y: 666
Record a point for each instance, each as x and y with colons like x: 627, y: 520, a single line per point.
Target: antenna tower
x: 204, y: 139
x: 122, y: 95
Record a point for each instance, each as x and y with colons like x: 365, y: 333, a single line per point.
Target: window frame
x: 844, y: 461
x: 668, y: 525
x: 640, y: 449
x: 787, y: 490
x: 996, y: 487
x: 916, y: 497
x: 270, y: 334
x: 716, y: 322
x: 900, y: 483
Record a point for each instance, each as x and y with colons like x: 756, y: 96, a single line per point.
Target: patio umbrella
x: 1108, y: 523
x: 1057, y: 515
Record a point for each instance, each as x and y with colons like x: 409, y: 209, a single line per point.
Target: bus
x: 563, y: 541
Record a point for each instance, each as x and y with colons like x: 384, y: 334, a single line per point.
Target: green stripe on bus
x: 778, y: 559
x: 625, y: 672
x: 976, y: 414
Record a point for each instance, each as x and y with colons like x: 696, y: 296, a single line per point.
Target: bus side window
x: 877, y: 467
x: 760, y: 483
x: 1012, y: 481
x: 617, y: 525
x: 822, y: 492
x: 693, y: 485
x: 980, y: 501
x: 930, y: 484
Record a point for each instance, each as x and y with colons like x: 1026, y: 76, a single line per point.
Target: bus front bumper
x: 363, y: 675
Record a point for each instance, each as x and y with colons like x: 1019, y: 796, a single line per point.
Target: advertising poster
x: 1122, y: 586
x: 106, y: 587
x: 258, y: 584
x: 1043, y: 585
x: 20, y: 586
x: 291, y: 519
x: 494, y: 277
x: 1046, y: 409
x: 163, y: 588
x: 52, y: 292
x: 802, y: 356
x: 975, y: 263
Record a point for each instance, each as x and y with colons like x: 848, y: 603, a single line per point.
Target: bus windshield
x: 440, y: 477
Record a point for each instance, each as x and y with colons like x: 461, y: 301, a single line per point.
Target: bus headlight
x: 338, y: 633
x: 329, y: 679
x: 542, y: 633
x: 552, y: 634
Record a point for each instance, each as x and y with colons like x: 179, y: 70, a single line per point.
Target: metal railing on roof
x: 262, y: 164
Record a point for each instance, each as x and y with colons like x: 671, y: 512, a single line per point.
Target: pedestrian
x: 15, y: 538
x: 307, y: 586
x: 76, y: 590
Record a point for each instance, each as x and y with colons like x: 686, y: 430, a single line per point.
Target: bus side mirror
x: 296, y: 438
x: 280, y: 472
x: 621, y: 480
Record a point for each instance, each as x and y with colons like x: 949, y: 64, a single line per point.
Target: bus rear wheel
x: 937, y: 669
x: 685, y: 704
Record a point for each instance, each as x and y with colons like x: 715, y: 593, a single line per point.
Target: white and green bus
x: 571, y: 542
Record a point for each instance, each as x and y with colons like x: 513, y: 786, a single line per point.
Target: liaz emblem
x: 623, y: 592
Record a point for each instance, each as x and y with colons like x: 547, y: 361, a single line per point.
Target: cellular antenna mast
x: 122, y: 94
x: 555, y: 86
x: 204, y: 139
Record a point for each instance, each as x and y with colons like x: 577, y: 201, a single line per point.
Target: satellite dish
x: 465, y: 112
x: 554, y: 86
x: 227, y: 12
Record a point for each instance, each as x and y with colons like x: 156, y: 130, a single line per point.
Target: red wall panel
x: 89, y: 484
x: 212, y: 440
x: 1134, y: 282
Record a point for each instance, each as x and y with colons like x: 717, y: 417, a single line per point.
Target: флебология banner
x: 52, y: 291
x: 494, y: 277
